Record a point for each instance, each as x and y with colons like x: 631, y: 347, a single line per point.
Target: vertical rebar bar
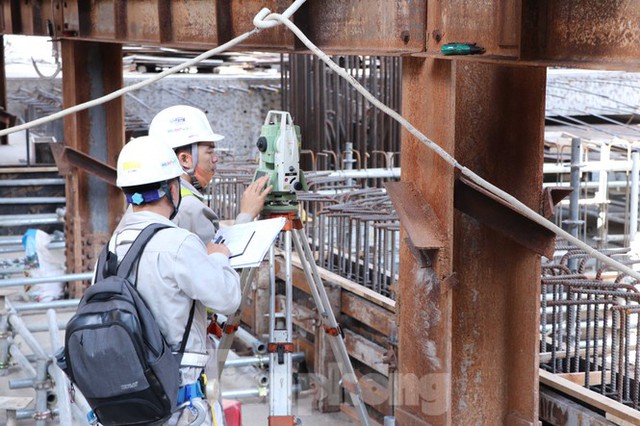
x: 574, y: 208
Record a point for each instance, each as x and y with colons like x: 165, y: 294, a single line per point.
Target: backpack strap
x: 107, y: 259
x: 187, y: 329
x: 130, y: 259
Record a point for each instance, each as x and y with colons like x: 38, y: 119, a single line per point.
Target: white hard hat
x: 182, y: 125
x: 146, y: 160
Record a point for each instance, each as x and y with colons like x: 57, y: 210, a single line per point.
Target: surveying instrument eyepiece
x: 279, y: 146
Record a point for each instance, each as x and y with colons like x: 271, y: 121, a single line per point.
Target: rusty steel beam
x: 91, y: 70
x: 493, y: 212
x: 386, y: 27
x: 68, y: 159
x: 580, y: 33
x: 551, y: 196
x: 583, y: 33
x: 602, y: 34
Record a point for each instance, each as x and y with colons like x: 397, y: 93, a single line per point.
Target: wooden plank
x: 367, y: 312
x: 303, y: 345
x: 374, y: 394
x: 330, y: 277
x: 299, y: 280
x: 366, y: 352
x: 558, y: 410
x: 351, y: 413
x: 303, y: 318
x: 587, y: 396
x: 595, y: 377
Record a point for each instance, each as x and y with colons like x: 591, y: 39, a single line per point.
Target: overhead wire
x: 265, y: 19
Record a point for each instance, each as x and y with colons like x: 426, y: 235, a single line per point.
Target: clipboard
x: 237, y: 239
x: 250, y: 242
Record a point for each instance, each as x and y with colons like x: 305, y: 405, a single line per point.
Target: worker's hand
x: 218, y: 248
x: 254, y: 196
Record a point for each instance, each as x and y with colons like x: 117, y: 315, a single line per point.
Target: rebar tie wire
x: 264, y: 20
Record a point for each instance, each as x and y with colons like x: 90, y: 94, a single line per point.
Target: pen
x: 219, y: 240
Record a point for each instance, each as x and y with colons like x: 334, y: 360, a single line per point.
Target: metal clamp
x: 280, y: 349
x: 334, y: 331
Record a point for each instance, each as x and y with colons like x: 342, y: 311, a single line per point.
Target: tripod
x: 280, y: 345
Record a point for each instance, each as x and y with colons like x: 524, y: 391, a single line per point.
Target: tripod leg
x: 349, y: 379
x: 246, y: 277
x: 281, y: 347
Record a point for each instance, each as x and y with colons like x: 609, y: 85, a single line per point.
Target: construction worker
x: 176, y: 267
x: 187, y: 131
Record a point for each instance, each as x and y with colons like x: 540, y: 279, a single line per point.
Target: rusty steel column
x: 471, y: 342
x: 90, y: 70
x: 423, y: 391
x: 496, y: 304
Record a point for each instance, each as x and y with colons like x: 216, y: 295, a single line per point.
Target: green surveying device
x: 279, y: 146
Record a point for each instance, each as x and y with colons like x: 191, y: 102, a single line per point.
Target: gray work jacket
x: 196, y: 216
x: 174, y: 270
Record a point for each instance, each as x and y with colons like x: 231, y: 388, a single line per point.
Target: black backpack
x: 114, y: 351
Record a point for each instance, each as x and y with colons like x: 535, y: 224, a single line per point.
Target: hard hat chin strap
x: 192, y: 171
x: 167, y: 193
x: 194, y: 180
x: 194, y: 158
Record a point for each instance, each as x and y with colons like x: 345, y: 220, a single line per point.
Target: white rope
x: 133, y: 87
x: 263, y: 20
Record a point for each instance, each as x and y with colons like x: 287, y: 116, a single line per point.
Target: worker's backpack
x: 114, y: 351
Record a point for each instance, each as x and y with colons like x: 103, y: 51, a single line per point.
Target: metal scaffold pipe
x: 244, y: 393
x: 20, y: 327
x: 44, y: 280
x: 256, y: 344
x: 258, y: 360
x: 41, y: 306
x: 61, y: 382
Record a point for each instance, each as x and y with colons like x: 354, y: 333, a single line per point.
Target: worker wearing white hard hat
x: 187, y: 131
x: 176, y: 267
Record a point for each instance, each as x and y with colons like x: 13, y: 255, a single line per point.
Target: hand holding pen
x: 217, y: 246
